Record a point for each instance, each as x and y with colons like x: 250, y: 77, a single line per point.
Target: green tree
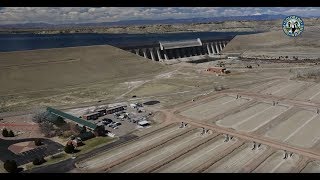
x: 36, y: 161
x: 37, y: 142
x: 83, y: 130
x: 69, y: 148
x: 10, y: 166
x: 10, y: 134
x: 59, y: 121
x: 5, y: 132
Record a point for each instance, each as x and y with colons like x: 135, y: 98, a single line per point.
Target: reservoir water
x: 19, y: 42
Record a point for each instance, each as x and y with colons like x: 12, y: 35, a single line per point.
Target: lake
x: 18, y: 42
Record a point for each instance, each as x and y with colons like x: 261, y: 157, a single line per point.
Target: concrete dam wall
x: 188, y: 49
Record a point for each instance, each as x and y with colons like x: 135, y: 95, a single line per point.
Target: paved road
x: 68, y: 165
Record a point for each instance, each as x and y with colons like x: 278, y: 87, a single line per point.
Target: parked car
x: 107, y: 121
x: 117, y: 123
x: 111, y: 124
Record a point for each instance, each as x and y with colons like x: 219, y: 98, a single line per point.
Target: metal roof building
x: 72, y: 118
x: 180, y: 44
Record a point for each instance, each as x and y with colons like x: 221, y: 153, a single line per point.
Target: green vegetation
x: 37, y: 142
x: 10, y: 134
x: 69, y: 148
x: 89, y: 145
x: 50, y: 160
x: 94, y: 143
x: 38, y: 161
x: 10, y: 166
x: 5, y: 132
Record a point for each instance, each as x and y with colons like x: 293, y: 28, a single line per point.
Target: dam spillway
x: 169, y: 50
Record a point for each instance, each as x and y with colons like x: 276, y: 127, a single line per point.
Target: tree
x: 37, y: 142
x: 10, y: 134
x: 46, y: 128
x: 39, y: 117
x: 75, y: 128
x: 5, y: 132
x: 42, y: 160
x: 10, y: 166
x: 83, y: 130
x: 99, y: 131
x: 60, y: 121
x: 69, y: 148
x: 38, y: 161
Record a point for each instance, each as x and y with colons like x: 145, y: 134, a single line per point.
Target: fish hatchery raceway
x: 266, y: 126
x: 260, y: 119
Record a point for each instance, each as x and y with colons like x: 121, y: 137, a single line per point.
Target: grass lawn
x: 2, y: 170
x: 89, y: 145
x: 94, y: 143
x: 50, y: 160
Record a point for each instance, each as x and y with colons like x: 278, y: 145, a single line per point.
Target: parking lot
x: 48, y: 148
x: 29, y: 156
x: 127, y: 119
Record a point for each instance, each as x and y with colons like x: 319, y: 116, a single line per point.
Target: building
x: 72, y: 118
x: 101, y: 111
x: 91, y: 116
x: 115, y: 109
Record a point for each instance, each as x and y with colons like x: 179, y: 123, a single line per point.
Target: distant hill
x: 277, y: 45
x: 263, y: 17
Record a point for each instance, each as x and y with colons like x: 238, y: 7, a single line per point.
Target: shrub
x: 47, y: 128
x: 67, y: 134
x: 5, y: 132
x: 69, y: 148
x: 37, y: 142
x: 42, y: 160
x: 10, y: 166
x: 83, y: 130
x: 59, y: 121
x: 38, y: 161
x: 75, y: 128
x: 10, y: 134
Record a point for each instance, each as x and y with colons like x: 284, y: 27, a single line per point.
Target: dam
x: 192, y: 49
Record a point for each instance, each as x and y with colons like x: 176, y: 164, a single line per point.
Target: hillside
x: 78, y: 72
x: 226, y: 25
x: 55, y: 68
x: 275, y: 44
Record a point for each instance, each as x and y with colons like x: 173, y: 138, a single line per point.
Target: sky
x: 61, y: 15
